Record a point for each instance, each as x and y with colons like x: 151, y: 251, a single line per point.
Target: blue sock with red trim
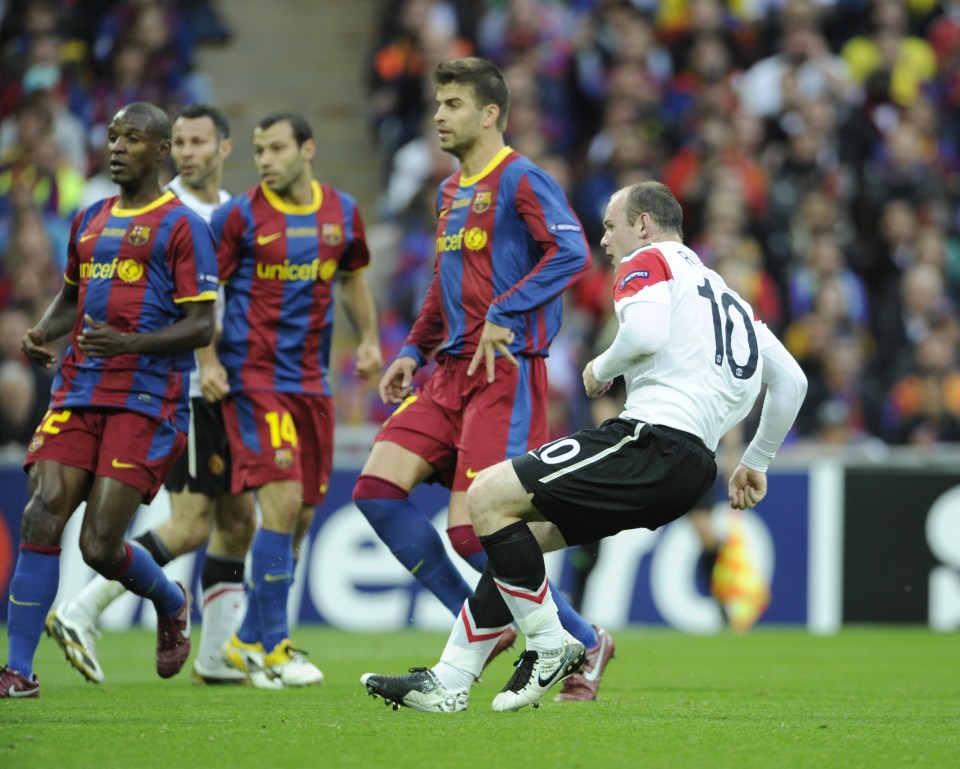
x: 33, y: 589
x: 412, y: 538
x: 142, y: 575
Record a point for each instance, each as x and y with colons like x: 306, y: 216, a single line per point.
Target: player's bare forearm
x: 56, y: 321
x: 214, y: 383
x: 361, y: 310
x: 100, y: 340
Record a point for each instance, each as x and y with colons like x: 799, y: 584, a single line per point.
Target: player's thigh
x: 503, y: 419
x: 418, y: 442
x: 138, y: 450
x: 397, y: 464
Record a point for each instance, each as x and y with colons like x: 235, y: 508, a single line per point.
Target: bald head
x: 147, y: 117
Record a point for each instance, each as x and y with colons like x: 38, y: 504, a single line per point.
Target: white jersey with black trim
x: 177, y: 187
x: 706, y: 377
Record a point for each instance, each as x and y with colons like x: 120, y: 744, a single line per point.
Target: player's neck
x: 208, y: 192
x: 484, y: 149
x: 140, y: 196
x: 300, y: 193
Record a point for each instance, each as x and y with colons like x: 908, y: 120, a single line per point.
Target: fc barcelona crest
x: 138, y: 235
x: 332, y: 234
x: 482, y: 200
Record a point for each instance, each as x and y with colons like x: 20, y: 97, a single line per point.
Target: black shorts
x: 204, y: 465
x: 621, y: 475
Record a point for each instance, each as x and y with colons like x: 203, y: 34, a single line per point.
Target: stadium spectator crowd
x: 813, y: 147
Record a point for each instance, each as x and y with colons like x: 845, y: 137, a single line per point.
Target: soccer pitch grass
x: 867, y: 697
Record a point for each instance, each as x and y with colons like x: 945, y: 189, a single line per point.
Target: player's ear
x: 308, y: 149
x: 163, y: 149
x: 226, y: 147
x: 491, y: 115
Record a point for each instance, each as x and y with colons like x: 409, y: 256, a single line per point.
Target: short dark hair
x: 299, y: 124
x: 657, y: 200
x: 158, y: 121
x: 194, y: 111
x: 488, y: 83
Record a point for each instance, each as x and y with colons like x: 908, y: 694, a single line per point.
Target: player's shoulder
x: 335, y: 193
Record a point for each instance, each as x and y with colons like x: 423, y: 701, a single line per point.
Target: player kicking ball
x: 693, y: 358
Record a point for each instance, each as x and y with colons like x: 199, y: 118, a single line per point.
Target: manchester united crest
x: 216, y: 465
x: 332, y: 234
x: 139, y: 235
x: 482, y: 200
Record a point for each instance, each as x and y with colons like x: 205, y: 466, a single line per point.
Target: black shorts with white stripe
x: 204, y: 465
x: 621, y: 475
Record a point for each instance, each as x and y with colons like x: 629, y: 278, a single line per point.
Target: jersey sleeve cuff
x: 411, y: 351
x: 205, y: 296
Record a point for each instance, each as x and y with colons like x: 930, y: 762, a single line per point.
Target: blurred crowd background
x: 814, y: 146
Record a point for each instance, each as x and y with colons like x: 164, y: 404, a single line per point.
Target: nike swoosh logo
x: 262, y: 240
x: 121, y: 465
x: 472, y: 473
x: 593, y: 675
x: 559, y: 671
x: 15, y: 602
x: 88, y: 236
x: 11, y: 692
x: 276, y: 577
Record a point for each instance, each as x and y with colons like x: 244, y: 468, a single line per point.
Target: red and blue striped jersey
x: 134, y: 268
x: 278, y: 262
x: 508, y: 244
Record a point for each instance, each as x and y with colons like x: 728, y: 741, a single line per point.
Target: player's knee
x: 237, y: 534
x: 196, y: 534
x: 101, y: 555
x: 478, y: 507
x: 40, y: 524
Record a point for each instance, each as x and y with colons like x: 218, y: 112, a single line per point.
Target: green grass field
x: 876, y: 698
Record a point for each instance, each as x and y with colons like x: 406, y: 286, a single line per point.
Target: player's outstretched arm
x: 396, y: 383
x: 747, y: 487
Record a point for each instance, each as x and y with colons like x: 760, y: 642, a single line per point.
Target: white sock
x: 467, y: 649
x: 223, y: 607
x: 536, y: 615
x: 92, y: 601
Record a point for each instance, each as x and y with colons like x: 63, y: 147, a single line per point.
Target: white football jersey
x: 706, y: 378
x: 206, y: 212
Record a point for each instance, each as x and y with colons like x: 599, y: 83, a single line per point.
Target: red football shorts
x: 125, y: 445
x: 461, y: 425
x: 280, y: 437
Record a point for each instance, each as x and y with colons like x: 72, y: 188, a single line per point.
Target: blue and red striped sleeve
x: 552, y: 223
